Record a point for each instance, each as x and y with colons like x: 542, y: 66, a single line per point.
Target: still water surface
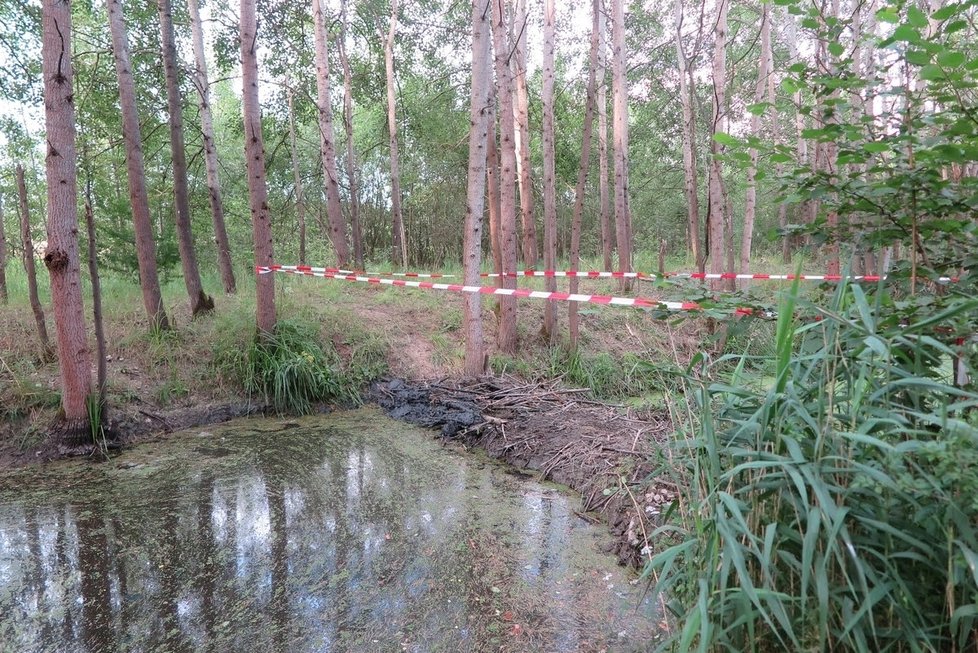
x: 347, y: 532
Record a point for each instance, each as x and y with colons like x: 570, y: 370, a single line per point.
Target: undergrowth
x: 833, y: 507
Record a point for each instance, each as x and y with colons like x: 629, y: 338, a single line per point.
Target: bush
x: 836, y: 508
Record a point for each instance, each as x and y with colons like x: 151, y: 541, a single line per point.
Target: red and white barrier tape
x: 310, y: 268
x: 593, y: 274
x: 641, y: 302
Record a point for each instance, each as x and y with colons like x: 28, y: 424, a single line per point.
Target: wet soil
x: 608, y: 454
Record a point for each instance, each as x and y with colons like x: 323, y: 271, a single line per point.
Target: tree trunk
x: 61, y: 257
x: 619, y: 92
x: 351, y: 160
x: 300, y: 203
x: 604, y: 212
x: 334, y: 210
x: 549, y: 168
x: 210, y: 151
x: 805, y: 210
x: 524, y: 167
x: 398, y: 240
x: 261, y: 227
x: 689, y: 145
x: 479, y: 117
x: 717, y: 195
x: 750, y: 202
x: 100, y: 349
x: 507, y: 336
x: 135, y: 171
x: 27, y: 242
x: 573, y: 320
x: 492, y: 177
x: 3, y: 260
x: 831, y: 153
x: 199, y: 300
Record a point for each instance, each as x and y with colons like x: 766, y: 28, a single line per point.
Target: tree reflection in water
x: 332, y: 534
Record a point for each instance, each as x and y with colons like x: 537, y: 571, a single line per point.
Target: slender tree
x: 573, y: 319
x: 549, y: 166
x: 61, y: 258
x: 27, y: 245
x: 210, y: 150
x: 492, y: 193
x: 199, y: 300
x: 479, y: 116
x: 750, y: 201
x: 507, y: 337
x: 261, y: 226
x: 300, y: 203
x: 399, y: 240
x: 689, y: 144
x: 830, y: 149
x: 524, y: 166
x: 619, y: 91
x: 604, y: 212
x: 138, y: 197
x: 351, y: 159
x: 717, y: 194
x: 805, y: 210
x: 93, y: 275
x: 3, y: 260
x: 334, y: 209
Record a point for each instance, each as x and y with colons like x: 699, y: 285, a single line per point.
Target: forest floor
x: 595, y: 422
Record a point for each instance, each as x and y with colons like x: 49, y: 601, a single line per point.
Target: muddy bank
x: 602, y: 452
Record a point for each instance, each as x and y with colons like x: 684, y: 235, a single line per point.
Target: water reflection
x: 345, y: 533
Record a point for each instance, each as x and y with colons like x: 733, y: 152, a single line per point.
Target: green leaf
x: 888, y: 16
x: 955, y: 26
x: 876, y: 147
x: 950, y: 58
x: 916, y: 17
x: 918, y: 57
x: 946, y: 12
x: 931, y: 72
x: 836, y: 49
x: 907, y: 33
x: 789, y: 85
x: 726, y: 139
x: 759, y: 108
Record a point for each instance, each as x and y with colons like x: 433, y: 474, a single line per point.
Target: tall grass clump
x: 290, y: 369
x: 836, y: 507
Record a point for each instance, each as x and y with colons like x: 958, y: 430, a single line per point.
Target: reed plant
x: 833, y: 504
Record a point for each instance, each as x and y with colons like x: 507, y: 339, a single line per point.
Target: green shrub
x: 835, y: 507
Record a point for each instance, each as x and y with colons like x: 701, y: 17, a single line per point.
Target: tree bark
x: 524, y: 167
x: 351, y: 159
x: 479, y: 117
x: 398, y: 240
x: 261, y: 227
x: 27, y: 242
x: 604, y: 212
x: 831, y: 151
x: 492, y: 178
x: 61, y: 258
x: 3, y: 260
x: 100, y: 348
x: 300, y: 203
x: 573, y: 319
x: 619, y: 92
x: 689, y: 145
x: 199, y: 300
x: 135, y: 171
x: 210, y: 151
x: 750, y: 201
x: 717, y: 194
x: 549, y: 169
x: 334, y: 210
x: 507, y: 337
x: 805, y: 210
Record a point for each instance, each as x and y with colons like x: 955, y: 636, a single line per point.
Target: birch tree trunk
x: 492, y: 193
x: 689, y: 145
x: 27, y: 243
x: 507, y: 337
x: 831, y: 154
x: 398, y: 240
x: 619, y: 91
x: 804, y: 211
x: 479, y: 117
x: 717, y: 194
x: 210, y: 151
x: 199, y: 300
x: 524, y: 167
x: 334, y: 210
x: 604, y: 212
x: 261, y: 227
x: 300, y: 202
x: 750, y: 202
x: 573, y: 319
x: 549, y: 168
x: 135, y: 171
x: 3, y: 260
x: 61, y: 258
x: 351, y: 159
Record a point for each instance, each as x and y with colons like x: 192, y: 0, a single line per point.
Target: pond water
x: 346, y: 532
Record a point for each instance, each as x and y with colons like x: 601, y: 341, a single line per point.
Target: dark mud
x: 605, y: 453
